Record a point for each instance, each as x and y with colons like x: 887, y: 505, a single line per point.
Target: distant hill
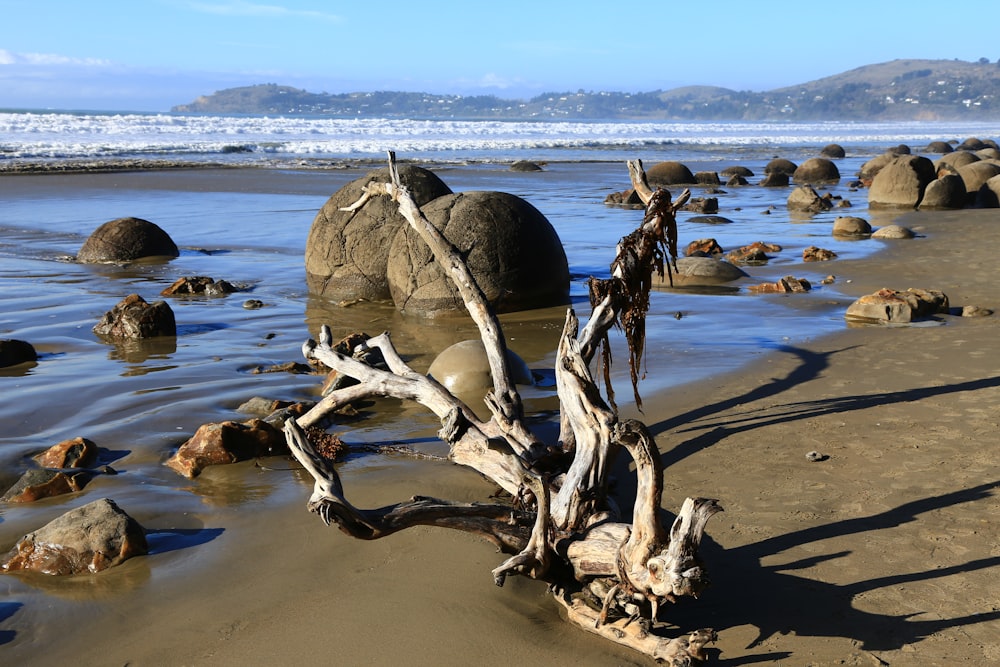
x: 896, y: 90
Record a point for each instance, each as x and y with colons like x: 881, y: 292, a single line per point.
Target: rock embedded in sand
x: 464, y: 369
x: 226, y: 442
x: 893, y: 232
x: 851, y: 226
x: 947, y: 191
x: 889, y: 306
x: 133, y: 317
x: 901, y: 182
x: 91, y: 538
x: 126, y: 240
x: 14, y: 352
x: 700, y: 272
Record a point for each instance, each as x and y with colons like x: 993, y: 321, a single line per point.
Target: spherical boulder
x: 509, y: 246
x: 989, y: 194
x: 944, y: 192
x: 700, y: 272
x: 780, y: 165
x: 851, y: 226
x: 941, y: 147
x: 126, y: 240
x: 816, y: 170
x: 347, y: 252
x: 975, y: 175
x: 901, y: 182
x: 833, y: 151
x: 956, y: 160
x: 464, y: 369
x: 669, y: 173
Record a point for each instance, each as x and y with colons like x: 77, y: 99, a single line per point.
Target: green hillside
x: 896, y: 90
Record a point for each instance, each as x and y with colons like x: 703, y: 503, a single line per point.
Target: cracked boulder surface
x: 347, y: 252
x: 510, y: 247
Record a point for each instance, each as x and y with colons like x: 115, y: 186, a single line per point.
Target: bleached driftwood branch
x: 620, y: 569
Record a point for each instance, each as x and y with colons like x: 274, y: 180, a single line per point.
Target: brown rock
x: 833, y: 151
x: 132, y: 317
x: 901, y: 182
x: 787, y: 284
x: 703, y: 248
x: 817, y: 254
x: 199, y: 285
x: 707, y: 178
x: 91, y: 538
x: 73, y: 453
x: 38, y: 484
x: 755, y: 253
x: 851, y: 226
x: 947, y: 191
x: 816, y: 170
x: 893, y: 232
x: 780, y: 165
x: 892, y: 306
x: 776, y: 179
x: 804, y: 198
x: 126, y: 240
x: 226, y: 442
x: 669, y: 173
x: 702, y: 205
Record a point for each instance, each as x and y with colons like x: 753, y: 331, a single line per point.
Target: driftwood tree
x: 610, y: 573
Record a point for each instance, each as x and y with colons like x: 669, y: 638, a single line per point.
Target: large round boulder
x: 989, y: 194
x: 901, y: 182
x: 946, y: 191
x: 941, y: 147
x: 669, y: 173
x: 816, y: 170
x: 347, y: 252
x: 126, y: 240
x: 509, y: 246
x: 464, y: 369
x: 956, y: 160
x: 780, y: 165
x: 700, y: 272
x: 975, y: 175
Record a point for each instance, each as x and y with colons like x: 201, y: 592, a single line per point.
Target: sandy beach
x: 884, y: 553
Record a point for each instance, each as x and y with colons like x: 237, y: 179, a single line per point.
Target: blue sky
x: 148, y: 55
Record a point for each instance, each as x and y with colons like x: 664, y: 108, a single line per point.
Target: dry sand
x: 886, y: 552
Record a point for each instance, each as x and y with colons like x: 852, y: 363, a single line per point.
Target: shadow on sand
x: 771, y: 597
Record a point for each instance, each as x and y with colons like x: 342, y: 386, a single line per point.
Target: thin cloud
x: 48, y: 59
x: 253, y: 9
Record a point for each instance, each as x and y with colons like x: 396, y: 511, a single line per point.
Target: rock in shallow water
x: 91, y: 538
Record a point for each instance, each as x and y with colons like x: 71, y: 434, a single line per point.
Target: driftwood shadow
x: 809, y: 607
x: 799, y: 604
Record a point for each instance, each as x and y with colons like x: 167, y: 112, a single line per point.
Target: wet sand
x: 887, y: 550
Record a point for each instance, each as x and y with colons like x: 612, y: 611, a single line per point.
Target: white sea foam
x: 77, y: 135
